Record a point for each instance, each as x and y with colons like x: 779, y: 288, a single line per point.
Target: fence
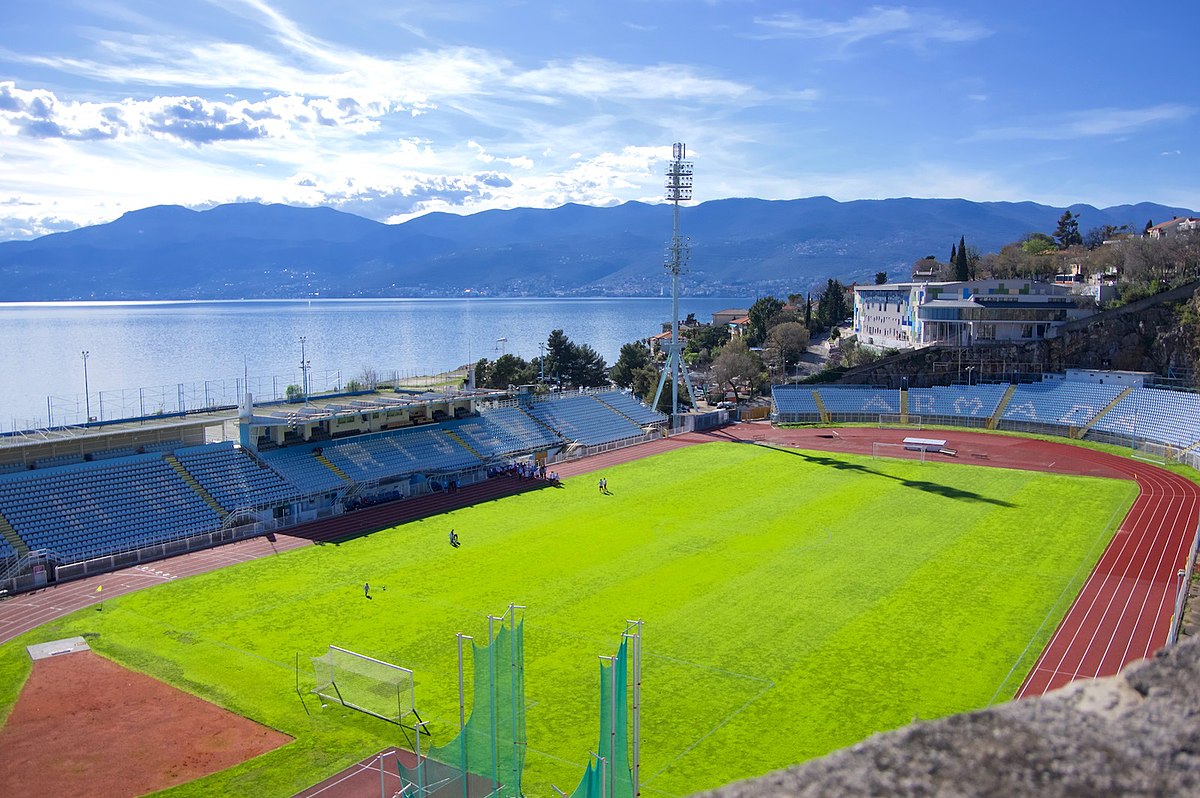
x: 1185, y: 581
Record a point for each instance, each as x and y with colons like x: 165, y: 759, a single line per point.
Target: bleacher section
x: 859, y: 401
x: 424, y: 449
x: 299, y: 465
x: 956, y: 401
x: 1168, y: 417
x: 504, y: 431
x: 795, y: 404
x: 628, y: 405
x: 94, y: 509
x: 1059, y: 403
x: 233, y: 477
x: 584, y: 419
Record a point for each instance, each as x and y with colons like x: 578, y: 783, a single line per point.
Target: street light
x: 304, y: 367
x: 969, y: 370
x: 542, y: 367
x: 500, y: 344
x: 87, y: 400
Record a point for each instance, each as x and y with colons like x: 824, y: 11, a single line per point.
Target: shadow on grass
x: 946, y: 491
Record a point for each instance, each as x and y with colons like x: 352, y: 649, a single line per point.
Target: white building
x: 907, y: 315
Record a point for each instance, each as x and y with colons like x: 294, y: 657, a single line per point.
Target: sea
x: 144, y: 358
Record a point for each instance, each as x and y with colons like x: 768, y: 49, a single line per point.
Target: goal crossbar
x: 906, y: 420
x: 367, y: 684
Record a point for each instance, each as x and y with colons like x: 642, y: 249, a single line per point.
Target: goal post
x: 897, y: 450
x: 364, y: 683
x: 905, y: 420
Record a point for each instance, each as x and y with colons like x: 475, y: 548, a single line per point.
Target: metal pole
x: 492, y: 705
x: 637, y: 703
x: 87, y: 399
x: 462, y: 711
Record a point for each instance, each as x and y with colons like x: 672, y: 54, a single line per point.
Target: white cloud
x: 896, y: 24
x: 1084, y: 124
x: 597, y: 78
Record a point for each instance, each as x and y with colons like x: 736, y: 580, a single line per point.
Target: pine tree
x: 953, y: 256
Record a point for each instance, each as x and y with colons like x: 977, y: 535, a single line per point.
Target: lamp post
x: 969, y: 370
x: 542, y: 362
x: 87, y: 400
x: 304, y: 366
x: 501, y: 343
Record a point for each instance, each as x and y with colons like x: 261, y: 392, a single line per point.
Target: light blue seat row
x: 299, y: 466
x: 100, y: 508
x: 795, y: 403
x: 1170, y: 417
x: 629, y: 406
x: 965, y: 401
x: 859, y: 399
x: 389, y: 454
x: 583, y: 418
x: 1059, y: 403
x: 233, y: 477
x: 520, y: 430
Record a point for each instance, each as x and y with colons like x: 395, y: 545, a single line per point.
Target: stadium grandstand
x: 75, y: 501
x: 1109, y: 407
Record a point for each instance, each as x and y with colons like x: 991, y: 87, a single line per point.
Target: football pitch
x: 794, y: 603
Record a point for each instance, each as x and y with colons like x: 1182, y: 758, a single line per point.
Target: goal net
x: 364, y: 683
x: 896, y: 450
x: 908, y: 421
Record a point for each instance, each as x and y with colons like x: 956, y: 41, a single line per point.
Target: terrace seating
x: 961, y: 401
x: 233, y: 477
x: 795, y: 404
x: 1169, y: 417
x: 299, y: 466
x: 59, y: 460
x: 421, y: 450
x: 94, y: 509
x: 628, y: 405
x: 859, y: 400
x: 1061, y: 403
x: 584, y: 419
x: 518, y: 429
x: 110, y: 454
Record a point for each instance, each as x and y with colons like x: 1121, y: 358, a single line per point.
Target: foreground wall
x: 1136, y: 734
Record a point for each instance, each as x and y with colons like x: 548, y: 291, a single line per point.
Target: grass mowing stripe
x: 794, y: 602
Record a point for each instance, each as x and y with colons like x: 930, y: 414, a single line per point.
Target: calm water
x: 146, y: 357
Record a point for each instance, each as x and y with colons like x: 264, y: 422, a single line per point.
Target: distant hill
x: 739, y: 246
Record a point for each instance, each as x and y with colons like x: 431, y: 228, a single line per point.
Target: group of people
x: 604, y: 486
x: 454, y: 541
x: 529, y: 470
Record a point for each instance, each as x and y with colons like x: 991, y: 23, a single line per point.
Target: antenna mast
x: 679, y: 189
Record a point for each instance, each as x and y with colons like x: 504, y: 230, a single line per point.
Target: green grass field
x: 794, y: 603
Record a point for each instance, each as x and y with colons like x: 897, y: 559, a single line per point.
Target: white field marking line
x: 1087, y: 555
x: 725, y: 721
x: 1141, y: 507
x: 1165, y: 589
x: 1081, y: 612
x: 1130, y: 577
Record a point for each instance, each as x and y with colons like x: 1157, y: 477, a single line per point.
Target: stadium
x: 630, y: 608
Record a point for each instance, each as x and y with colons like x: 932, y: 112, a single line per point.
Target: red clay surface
x: 86, y: 726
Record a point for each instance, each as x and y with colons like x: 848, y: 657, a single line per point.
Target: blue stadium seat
x: 960, y: 401
x: 1061, y: 403
x: 584, y: 419
x: 1163, y: 416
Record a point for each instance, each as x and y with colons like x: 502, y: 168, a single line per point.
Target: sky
x: 390, y: 109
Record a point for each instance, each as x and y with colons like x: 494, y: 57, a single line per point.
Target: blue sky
x: 393, y: 109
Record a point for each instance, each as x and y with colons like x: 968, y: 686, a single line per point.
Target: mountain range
x: 738, y: 247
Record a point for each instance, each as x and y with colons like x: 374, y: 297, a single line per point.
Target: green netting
x: 612, y: 779
x: 487, y: 757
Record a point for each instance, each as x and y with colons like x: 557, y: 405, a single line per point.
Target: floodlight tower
x: 679, y: 189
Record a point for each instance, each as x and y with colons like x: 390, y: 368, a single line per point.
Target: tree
x: 1146, y: 229
x: 953, y: 255
x: 1067, y: 232
x: 634, y: 355
x: 880, y: 278
x: 789, y: 340
x: 508, y: 370
x: 760, y: 312
x: 832, y: 307
x: 736, y: 368
x: 588, y: 369
x: 702, y: 342
x: 1038, y: 243
x: 294, y: 393
x: 962, y: 270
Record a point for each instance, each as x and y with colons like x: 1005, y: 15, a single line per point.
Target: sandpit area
x: 84, y: 725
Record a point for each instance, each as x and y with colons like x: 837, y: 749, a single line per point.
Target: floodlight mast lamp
x: 679, y: 189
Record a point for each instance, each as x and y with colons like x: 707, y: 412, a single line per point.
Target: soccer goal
x: 364, y: 683
x: 896, y: 450
x: 887, y: 420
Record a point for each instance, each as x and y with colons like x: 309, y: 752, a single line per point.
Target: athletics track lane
x: 1124, y: 609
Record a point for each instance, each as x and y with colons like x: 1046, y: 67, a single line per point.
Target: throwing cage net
x: 488, y: 755
x: 608, y: 773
